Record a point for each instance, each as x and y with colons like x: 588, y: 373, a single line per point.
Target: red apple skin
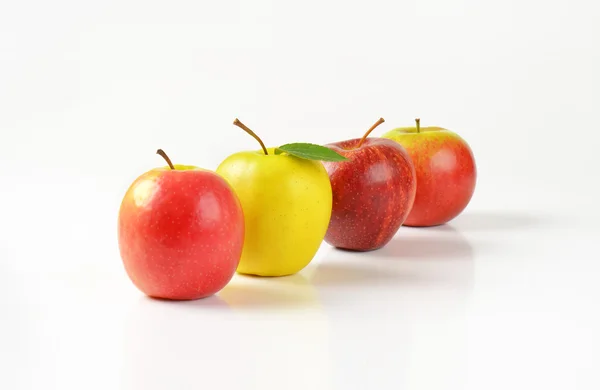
x: 180, y: 233
x: 446, y: 173
x: 373, y: 192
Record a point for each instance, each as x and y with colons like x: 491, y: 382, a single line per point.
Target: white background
x: 504, y: 297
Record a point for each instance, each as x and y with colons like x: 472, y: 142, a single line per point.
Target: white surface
x: 505, y: 297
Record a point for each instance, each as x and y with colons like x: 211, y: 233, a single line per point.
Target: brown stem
x: 247, y: 130
x: 418, y: 125
x: 161, y: 153
x: 380, y: 121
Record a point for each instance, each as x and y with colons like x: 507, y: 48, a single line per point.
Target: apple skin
x: 446, y: 173
x: 180, y: 233
x: 373, y: 193
x: 287, y: 206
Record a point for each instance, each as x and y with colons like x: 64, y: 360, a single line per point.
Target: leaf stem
x: 247, y: 130
x: 161, y: 153
x: 418, y: 121
x: 380, y: 121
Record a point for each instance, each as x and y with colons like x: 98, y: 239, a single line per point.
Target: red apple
x: 446, y: 173
x: 373, y: 192
x: 180, y: 232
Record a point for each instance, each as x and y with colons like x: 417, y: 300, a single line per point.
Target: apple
x: 180, y: 232
x: 286, y: 197
x: 373, y: 192
x: 446, y: 173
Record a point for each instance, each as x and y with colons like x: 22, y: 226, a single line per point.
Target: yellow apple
x: 286, y: 201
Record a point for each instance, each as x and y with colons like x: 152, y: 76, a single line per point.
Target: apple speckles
x: 446, y: 175
x: 372, y: 194
x: 169, y: 250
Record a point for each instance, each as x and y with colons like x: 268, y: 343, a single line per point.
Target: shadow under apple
x: 450, y: 245
x: 336, y: 272
x: 417, y: 259
x: 213, y: 302
x: 169, y: 344
x: 245, y: 291
x: 475, y: 221
x: 270, y: 292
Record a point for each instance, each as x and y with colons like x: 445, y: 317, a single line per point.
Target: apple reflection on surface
x: 430, y: 259
x: 279, y: 293
x: 287, y: 331
x: 239, y: 338
x: 401, y: 310
x: 178, y: 344
x: 435, y: 259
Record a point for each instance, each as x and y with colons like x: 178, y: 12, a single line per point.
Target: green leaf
x: 310, y: 152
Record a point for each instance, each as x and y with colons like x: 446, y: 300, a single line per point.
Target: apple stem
x: 247, y: 130
x: 418, y: 121
x: 161, y: 153
x: 380, y: 121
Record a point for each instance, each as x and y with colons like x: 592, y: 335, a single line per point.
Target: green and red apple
x: 446, y: 172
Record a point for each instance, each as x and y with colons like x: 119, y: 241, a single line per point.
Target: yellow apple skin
x: 286, y: 202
